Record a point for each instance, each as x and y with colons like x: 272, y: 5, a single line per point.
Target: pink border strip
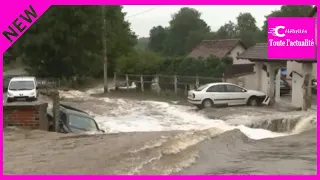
x: 9, y: 10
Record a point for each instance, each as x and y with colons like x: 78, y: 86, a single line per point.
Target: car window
x: 81, y: 122
x: 232, y: 88
x: 21, y: 85
x: 216, y: 88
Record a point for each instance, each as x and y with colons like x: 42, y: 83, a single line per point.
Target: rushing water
x: 171, y: 139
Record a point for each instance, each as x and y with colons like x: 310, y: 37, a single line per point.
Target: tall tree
x: 195, y: 37
x: 142, y: 43
x: 66, y: 41
x: 183, y: 23
x: 286, y: 11
x: 157, y: 37
x: 227, y: 31
x: 247, y: 29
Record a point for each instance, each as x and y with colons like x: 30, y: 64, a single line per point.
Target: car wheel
x: 207, y: 103
x: 253, y: 101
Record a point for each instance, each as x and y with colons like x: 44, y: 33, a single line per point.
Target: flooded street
x: 150, y: 137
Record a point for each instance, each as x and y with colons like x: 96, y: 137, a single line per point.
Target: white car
x: 229, y: 94
x: 22, y: 88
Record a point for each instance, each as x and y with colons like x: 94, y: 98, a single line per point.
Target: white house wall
x: 244, y: 81
x: 297, y: 93
x: 295, y: 66
x: 264, y: 82
x: 235, y: 52
x: 248, y: 81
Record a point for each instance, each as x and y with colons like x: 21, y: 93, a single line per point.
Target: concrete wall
x: 297, y: 92
x: 261, y: 81
x: 295, y: 66
x: 264, y: 82
x: 235, y: 52
x: 245, y: 81
x: 33, y: 115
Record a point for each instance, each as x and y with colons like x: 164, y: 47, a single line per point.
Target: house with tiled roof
x: 220, y: 48
x: 241, y: 71
x: 266, y: 78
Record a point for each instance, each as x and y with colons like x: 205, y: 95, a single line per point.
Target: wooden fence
x: 161, y: 83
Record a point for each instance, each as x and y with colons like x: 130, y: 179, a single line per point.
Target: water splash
x: 123, y: 115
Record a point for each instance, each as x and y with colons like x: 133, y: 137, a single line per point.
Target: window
x: 21, y: 85
x: 216, y: 88
x: 82, y: 123
x: 232, y: 88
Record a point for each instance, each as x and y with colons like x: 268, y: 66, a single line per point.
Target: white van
x: 22, y: 88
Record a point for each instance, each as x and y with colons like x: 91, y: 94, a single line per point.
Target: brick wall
x: 31, y: 115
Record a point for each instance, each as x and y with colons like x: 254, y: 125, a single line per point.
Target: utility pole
x: 104, y: 42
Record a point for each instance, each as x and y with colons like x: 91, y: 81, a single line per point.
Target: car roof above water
x: 23, y: 78
x: 220, y: 83
x: 71, y: 110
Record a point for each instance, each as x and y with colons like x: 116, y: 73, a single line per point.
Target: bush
x: 149, y: 63
x: 138, y: 62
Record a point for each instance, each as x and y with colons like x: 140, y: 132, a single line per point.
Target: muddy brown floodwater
x: 148, y: 137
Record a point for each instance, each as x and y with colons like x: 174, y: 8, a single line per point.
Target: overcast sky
x: 143, y: 18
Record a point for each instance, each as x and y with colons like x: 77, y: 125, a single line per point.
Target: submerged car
x: 73, y: 120
x: 213, y: 94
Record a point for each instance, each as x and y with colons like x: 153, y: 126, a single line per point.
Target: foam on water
x: 145, y: 116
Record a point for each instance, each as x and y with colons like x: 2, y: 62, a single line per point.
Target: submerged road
x: 148, y: 137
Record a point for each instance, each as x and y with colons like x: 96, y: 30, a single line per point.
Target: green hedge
x: 145, y: 62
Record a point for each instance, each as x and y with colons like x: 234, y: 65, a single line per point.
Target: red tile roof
x: 219, y: 48
x: 259, y: 52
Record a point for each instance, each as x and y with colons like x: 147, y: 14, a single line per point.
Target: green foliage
x: 142, y: 43
x: 286, y: 11
x: 146, y: 62
x: 227, y: 31
x: 139, y: 62
x: 66, y: 41
x: 186, y: 30
x: 247, y: 29
x: 157, y: 37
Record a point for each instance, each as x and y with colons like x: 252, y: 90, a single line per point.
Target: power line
x: 144, y: 12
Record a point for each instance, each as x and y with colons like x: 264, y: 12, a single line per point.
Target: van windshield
x: 21, y: 85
